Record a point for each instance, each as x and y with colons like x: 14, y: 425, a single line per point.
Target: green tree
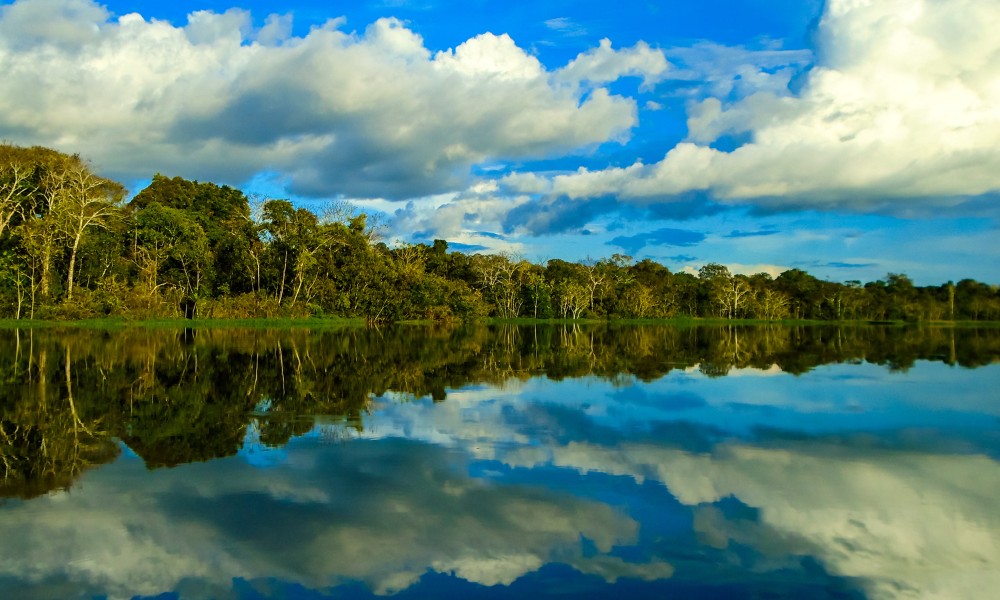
x: 224, y: 215
x: 171, y: 250
x: 716, y: 281
x: 804, y: 292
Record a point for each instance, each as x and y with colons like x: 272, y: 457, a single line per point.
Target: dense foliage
x: 71, y: 247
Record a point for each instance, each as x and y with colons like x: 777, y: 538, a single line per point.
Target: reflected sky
x: 849, y: 481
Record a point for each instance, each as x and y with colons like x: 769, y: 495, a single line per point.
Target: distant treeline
x: 71, y: 247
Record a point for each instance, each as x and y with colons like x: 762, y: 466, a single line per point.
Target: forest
x: 73, y: 246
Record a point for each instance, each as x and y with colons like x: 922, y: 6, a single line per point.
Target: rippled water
x: 501, y: 463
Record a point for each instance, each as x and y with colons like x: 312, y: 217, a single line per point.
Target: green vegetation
x: 72, y: 249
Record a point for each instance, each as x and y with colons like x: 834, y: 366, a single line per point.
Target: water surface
x: 503, y: 462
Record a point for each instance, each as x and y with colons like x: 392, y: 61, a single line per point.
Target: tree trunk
x: 284, y: 270
x: 46, y: 270
x: 72, y: 267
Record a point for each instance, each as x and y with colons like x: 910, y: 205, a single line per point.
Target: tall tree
x: 716, y: 280
x: 18, y: 184
x: 500, y: 279
x: 65, y: 198
x: 88, y: 200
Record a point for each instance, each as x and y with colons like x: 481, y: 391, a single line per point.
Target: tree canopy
x: 70, y: 247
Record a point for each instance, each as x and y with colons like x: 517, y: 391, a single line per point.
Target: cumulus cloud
x: 367, y: 114
x: 558, y: 215
x: 605, y: 64
x: 67, y: 24
x: 735, y: 72
x: 462, y: 219
x: 900, y: 110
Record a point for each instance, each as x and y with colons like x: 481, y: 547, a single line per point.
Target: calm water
x: 501, y: 463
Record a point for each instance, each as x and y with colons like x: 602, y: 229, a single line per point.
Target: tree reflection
x: 46, y: 442
x: 175, y: 397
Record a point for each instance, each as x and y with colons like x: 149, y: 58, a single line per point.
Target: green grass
x: 340, y: 323
x: 675, y: 321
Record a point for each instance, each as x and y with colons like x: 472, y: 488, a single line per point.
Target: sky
x: 847, y: 138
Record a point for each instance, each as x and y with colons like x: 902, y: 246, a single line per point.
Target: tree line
x: 71, y: 247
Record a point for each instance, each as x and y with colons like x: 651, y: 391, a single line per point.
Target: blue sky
x: 849, y: 138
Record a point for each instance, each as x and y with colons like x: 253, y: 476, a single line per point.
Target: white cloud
x: 65, y: 24
x: 276, y: 29
x: 492, y: 56
x: 364, y: 114
x: 460, y: 218
x: 735, y: 71
x: 902, y: 107
x: 605, y: 64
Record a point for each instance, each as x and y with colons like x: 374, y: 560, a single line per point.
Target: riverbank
x: 340, y: 322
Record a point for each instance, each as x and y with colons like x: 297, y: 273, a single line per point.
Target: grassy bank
x: 119, y: 323
x: 340, y: 323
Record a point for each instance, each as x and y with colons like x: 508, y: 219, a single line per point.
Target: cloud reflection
x: 383, y: 513
x: 907, y: 511
x: 910, y: 525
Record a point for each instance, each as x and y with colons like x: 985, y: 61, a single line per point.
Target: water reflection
x: 381, y: 513
x: 511, y: 462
